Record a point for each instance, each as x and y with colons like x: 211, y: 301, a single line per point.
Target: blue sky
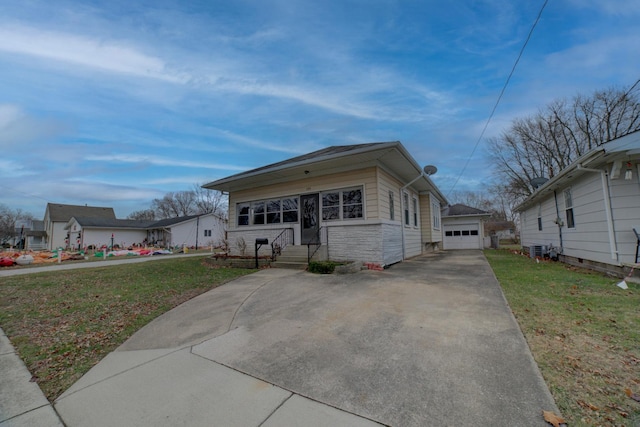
x: 117, y: 103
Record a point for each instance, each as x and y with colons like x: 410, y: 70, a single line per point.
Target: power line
x: 504, y: 88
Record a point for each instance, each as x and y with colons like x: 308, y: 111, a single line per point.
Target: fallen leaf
x: 553, y: 419
x: 632, y: 395
x: 587, y: 405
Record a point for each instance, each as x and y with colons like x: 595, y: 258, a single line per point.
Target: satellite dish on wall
x: 430, y: 169
x: 537, y: 182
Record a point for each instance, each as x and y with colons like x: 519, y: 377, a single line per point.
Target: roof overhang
x: 626, y: 148
x: 391, y: 156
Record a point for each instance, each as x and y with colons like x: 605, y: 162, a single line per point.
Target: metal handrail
x: 280, y: 242
x: 317, y: 241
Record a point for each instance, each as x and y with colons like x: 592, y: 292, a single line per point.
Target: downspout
x: 607, y: 208
x: 197, y: 230
x: 555, y: 196
x: 402, y: 208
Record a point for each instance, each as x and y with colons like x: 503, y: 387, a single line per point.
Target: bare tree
x: 145, y: 214
x: 185, y: 202
x: 8, y: 218
x: 547, y: 142
x: 474, y: 199
x: 210, y: 201
x: 181, y: 203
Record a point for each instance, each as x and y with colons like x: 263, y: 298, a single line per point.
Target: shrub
x: 322, y: 267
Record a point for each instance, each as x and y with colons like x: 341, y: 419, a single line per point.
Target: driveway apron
x: 429, y: 341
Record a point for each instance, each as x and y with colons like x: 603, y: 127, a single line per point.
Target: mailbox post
x: 259, y: 243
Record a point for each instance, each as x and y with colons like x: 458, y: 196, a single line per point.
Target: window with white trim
x: 415, y: 211
x: 540, y: 217
x: 568, y: 204
x: 392, y: 213
x: 435, y: 215
x: 342, y: 204
x: 405, y: 198
x: 273, y: 211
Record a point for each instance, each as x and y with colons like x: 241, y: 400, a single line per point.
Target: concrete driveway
x: 430, y: 341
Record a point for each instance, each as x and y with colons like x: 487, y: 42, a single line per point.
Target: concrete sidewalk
x: 430, y: 341
x: 22, y: 403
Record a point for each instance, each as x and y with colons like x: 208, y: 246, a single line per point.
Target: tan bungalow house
x: 365, y: 202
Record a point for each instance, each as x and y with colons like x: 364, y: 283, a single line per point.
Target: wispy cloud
x: 161, y: 161
x: 17, y: 128
x: 89, y: 52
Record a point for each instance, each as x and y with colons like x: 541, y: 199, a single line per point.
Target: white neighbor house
x: 590, y: 209
x: 57, y: 216
x: 190, y: 231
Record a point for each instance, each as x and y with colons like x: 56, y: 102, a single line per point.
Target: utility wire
x: 504, y: 88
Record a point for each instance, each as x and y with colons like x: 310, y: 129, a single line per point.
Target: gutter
x: 402, y: 209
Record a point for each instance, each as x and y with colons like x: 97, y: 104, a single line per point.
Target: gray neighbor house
x: 589, y: 214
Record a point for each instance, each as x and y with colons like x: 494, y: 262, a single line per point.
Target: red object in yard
x: 6, y: 262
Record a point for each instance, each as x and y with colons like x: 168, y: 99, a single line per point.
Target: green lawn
x: 62, y: 323
x: 583, y: 331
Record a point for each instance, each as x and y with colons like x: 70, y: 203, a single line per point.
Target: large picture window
x: 290, y: 209
x: 274, y: 211
x: 352, y: 204
x: 243, y: 210
x: 342, y: 204
x: 258, y: 212
x: 331, y: 206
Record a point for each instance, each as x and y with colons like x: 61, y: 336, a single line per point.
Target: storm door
x: 310, y: 217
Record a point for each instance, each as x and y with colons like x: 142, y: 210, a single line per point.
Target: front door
x: 310, y: 218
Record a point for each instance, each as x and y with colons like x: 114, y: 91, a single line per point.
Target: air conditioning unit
x: 538, y: 251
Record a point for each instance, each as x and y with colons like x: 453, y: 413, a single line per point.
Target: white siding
x: 99, y: 237
x: 184, y: 234
x: 57, y: 236
x: 590, y: 237
x: 549, y: 235
x: 625, y: 205
x: 391, y: 243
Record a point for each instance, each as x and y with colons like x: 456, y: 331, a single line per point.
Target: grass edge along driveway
x: 63, y: 323
x: 583, y: 332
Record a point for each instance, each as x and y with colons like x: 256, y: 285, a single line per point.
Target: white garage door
x: 462, y: 236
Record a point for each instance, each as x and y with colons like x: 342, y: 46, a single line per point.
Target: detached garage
x: 463, y: 227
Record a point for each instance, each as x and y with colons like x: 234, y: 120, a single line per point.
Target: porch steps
x: 292, y: 257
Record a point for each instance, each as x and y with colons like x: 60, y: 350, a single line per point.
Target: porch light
x: 628, y: 175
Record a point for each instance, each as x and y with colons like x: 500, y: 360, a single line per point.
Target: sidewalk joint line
x: 122, y: 372
x: 290, y: 391
x: 285, y: 400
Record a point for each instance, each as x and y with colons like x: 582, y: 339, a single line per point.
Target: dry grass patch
x: 584, y: 333
x: 63, y: 323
